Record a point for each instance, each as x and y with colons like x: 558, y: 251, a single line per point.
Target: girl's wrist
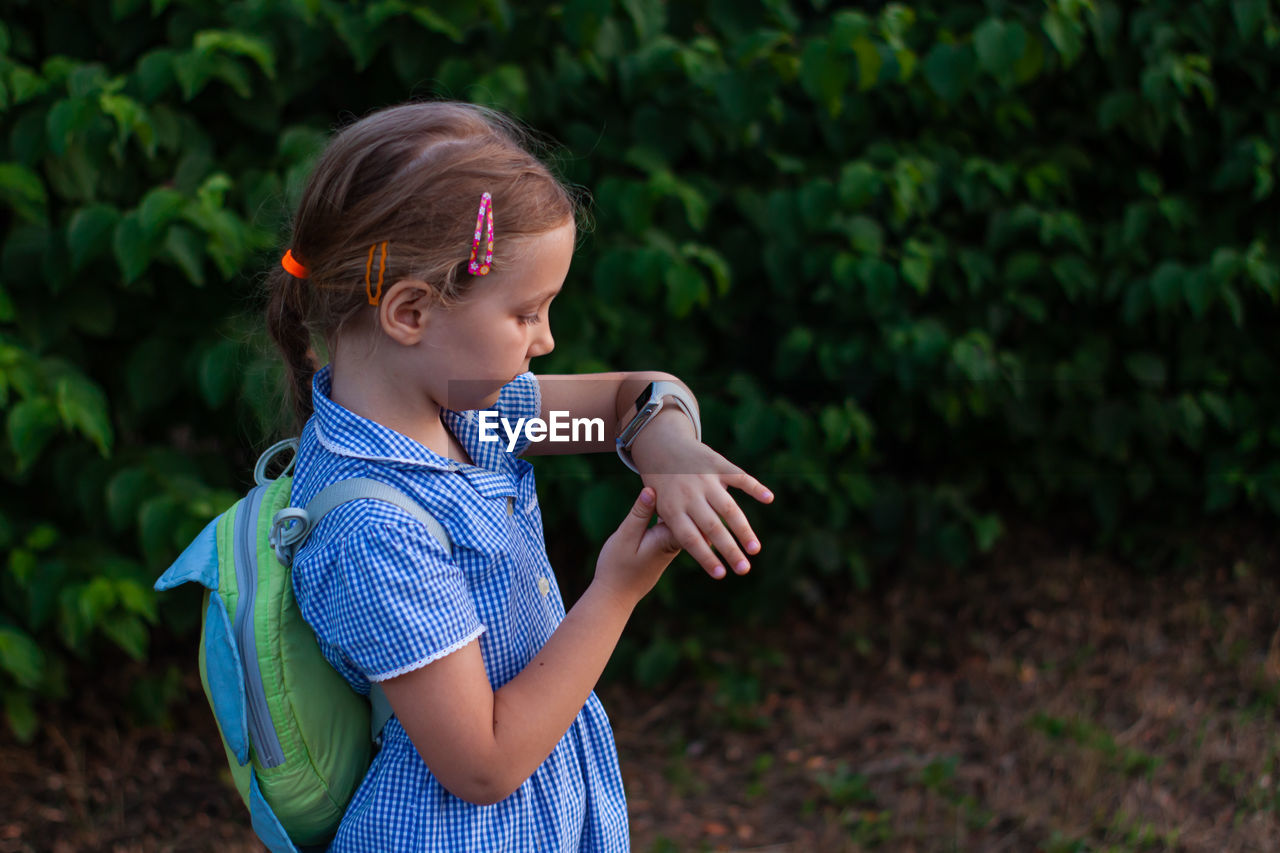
x: 612, y: 594
x: 670, y: 426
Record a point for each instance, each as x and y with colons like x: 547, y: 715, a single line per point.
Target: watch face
x: 644, y: 396
x: 642, y: 417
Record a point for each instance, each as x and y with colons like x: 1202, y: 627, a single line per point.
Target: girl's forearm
x: 532, y: 712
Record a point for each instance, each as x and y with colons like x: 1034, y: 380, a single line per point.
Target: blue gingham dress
x: 385, y: 598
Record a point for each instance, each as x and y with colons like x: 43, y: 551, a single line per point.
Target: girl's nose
x: 544, y: 342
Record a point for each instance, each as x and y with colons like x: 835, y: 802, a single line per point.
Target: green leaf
x: 68, y: 119
x: 880, y: 280
x: 1197, y: 290
x: 865, y: 236
x: 23, y: 565
x: 94, y: 600
x: 869, y: 62
x: 824, y: 74
x: 158, y: 519
x: 1225, y: 265
x: 31, y: 424
x: 1234, y: 305
x: 1249, y: 14
x: 132, y: 246
x: 1167, y: 283
x: 21, y: 657
x: 1066, y: 35
x: 792, y: 351
x: 974, y: 354
x: 219, y: 370
x: 1146, y: 368
x: 131, y: 119
x: 238, y: 44
x: 917, y: 265
x: 1075, y: 276
x: 83, y: 407
x: 21, y: 716
x: 85, y: 80
x: 156, y: 73
x: 1217, y: 406
x: 125, y: 494
x: 135, y: 597
x: 128, y: 632
x: 648, y: 16
x: 1029, y: 65
x: 89, y: 233
x: 713, y: 261
x: 159, y: 207
x: 23, y: 190
x: 685, y: 288
x: 185, y: 247
x: 44, y: 537
x: 986, y: 531
x: 437, y: 23
x: 121, y: 9
x: 860, y: 183
x: 949, y: 70
x: 193, y: 69
x: 999, y: 46
x: 25, y: 84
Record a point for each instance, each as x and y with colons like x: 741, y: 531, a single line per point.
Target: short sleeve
x: 401, y: 601
x: 520, y: 398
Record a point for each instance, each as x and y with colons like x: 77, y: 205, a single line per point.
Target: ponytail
x: 287, y: 323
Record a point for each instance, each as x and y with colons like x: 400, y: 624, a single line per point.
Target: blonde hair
x: 411, y: 175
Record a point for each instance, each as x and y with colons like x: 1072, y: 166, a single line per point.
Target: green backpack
x: 298, y: 738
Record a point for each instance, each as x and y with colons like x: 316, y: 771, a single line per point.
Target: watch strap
x: 661, y: 390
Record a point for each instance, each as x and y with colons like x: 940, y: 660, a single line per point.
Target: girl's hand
x: 636, y: 555
x: 692, y: 482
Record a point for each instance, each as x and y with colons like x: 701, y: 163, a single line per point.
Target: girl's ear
x: 404, y: 311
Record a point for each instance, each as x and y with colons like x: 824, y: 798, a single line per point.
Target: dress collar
x: 343, y: 432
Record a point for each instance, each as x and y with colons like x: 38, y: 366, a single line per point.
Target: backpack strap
x: 361, y: 488
x: 291, y: 527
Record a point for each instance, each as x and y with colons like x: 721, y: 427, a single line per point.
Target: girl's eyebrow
x: 538, y: 299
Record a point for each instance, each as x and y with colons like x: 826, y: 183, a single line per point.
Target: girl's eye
x: 530, y: 319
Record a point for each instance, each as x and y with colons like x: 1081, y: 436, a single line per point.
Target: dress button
x: 511, y: 506
x: 544, y: 586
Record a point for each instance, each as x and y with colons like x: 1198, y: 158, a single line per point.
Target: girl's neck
x: 394, y: 402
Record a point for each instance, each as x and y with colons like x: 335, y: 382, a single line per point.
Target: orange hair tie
x: 375, y: 296
x: 292, y: 266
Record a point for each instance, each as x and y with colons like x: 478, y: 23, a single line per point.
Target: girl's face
x: 490, y: 338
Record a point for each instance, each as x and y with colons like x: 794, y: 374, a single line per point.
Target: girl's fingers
x: 737, y: 522
x: 722, y: 539
x: 692, y: 540
x: 660, y: 538
x: 750, y: 485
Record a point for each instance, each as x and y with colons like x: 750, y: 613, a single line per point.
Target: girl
x: 498, y: 741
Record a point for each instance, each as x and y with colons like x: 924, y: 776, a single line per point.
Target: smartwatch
x: 648, y: 404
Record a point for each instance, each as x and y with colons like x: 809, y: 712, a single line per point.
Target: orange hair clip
x: 293, y: 266
x: 375, y: 296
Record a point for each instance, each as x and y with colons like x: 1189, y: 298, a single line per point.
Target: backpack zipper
x: 262, y: 733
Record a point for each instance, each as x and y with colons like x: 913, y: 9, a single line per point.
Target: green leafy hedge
x: 926, y: 265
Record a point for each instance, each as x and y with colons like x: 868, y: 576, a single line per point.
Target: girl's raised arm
x: 482, y: 744
x: 692, y: 480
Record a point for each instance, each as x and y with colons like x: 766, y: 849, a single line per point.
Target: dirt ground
x: 1052, y: 701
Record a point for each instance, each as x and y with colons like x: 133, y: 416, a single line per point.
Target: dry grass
x: 1055, y: 703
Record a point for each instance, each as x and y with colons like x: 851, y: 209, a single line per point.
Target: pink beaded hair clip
x: 485, y: 218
